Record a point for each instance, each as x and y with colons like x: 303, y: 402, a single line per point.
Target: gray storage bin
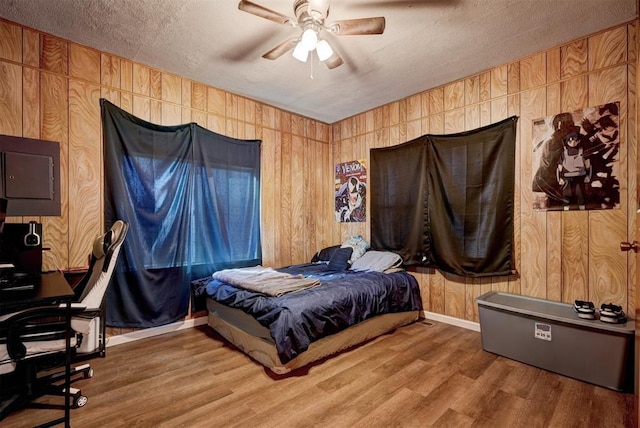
x: 549, y: 335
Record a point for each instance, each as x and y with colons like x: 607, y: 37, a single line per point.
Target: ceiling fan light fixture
x: 324, y: 50
x: 300, y: 52
x: 309, y: 39
x: 318, y: 9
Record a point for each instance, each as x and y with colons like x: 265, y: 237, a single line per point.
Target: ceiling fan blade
x: 281, y: 49
x: 263, y: 12
x: 352, y: 27
x: 334, y: 61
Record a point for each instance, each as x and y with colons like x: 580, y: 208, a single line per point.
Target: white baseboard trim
x: 154, y: 331
x: 469, y: 325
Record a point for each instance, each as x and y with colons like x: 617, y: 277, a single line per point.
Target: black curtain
x: 399, y: 211
x: 462, y: 220
x: 192, y: 201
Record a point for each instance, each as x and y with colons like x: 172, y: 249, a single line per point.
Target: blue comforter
x: 344, y: 299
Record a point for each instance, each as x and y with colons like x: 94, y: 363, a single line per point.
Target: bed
x: 340, y: 301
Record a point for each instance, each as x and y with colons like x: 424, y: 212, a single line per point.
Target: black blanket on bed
x: 299, y: 318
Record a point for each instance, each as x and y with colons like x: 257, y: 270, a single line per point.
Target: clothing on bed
x: 265, y: 280
x: 344, y: 298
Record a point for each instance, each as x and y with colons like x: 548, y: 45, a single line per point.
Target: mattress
x: 244, y: 332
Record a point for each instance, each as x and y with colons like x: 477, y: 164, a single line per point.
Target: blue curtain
x: 192, y: 200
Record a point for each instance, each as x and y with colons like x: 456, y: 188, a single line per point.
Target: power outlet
x: 542, y: 331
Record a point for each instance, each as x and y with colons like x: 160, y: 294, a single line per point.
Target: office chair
x: 34, y: 340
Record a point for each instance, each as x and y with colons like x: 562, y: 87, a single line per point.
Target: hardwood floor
x: 419, y: 376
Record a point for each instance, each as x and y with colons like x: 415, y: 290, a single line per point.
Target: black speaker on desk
x: 21, y: 244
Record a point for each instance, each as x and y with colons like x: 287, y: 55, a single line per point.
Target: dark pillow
x: 325, y: 254
x: 340, y: 259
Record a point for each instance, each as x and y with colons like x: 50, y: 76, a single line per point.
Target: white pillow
x: 378, y: 261
x: 359, y: 245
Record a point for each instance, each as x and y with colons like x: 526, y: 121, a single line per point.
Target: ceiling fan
x: 311, y: 16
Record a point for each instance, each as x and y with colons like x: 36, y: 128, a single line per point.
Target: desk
x: 50, y: 288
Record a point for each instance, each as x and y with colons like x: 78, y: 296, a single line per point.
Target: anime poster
x: 576, y: 160
x: 351, y: 191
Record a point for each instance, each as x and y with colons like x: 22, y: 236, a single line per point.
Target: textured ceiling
x: 426, y: 43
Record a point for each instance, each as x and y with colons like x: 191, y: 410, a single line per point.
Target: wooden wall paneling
x: 554, y: 219
x: 10, y: 99
x: 54, y: 115
x: 532, y: 224
x: 110, y: 70
x: 472, y: 117
x: 436, y: 101
x: 30, y: 103
x: 216, y: 101
x: 200, y: 117
x: 414, y: 129
x: 607, y: 264
x: 126, y: 75
x: 142, y: 107
x: 199, y: 96
x: 231, y: 128
x: 10, y: 42
x: 155, y: 83
x: 472, y: 289
x: 575, y: 255
x: 112, y: 95
x: 414, y: 110
x: 54, y: 55
x: 436, y: 124
x: 573, y: 59
x: 514, y: 109
x: 250, y: 111
x: 423, y: 276
x: 84, y: 63
x: 322, y: 201
x: 554, y: 280
x: 231, y: 107
x: 437, y: 292
x: 499, y: 81
x: 282, y: 144
x: 269, y: 198
x: 171, y: 88
x: 454, y: 295
x: 632, y: 179
x: 30, y: 47
x: 126, y: 104
x: 533, y: 71
x: 297, y: 199
x: 185, y: 117
x: 141, y: 79
x: 155, y: 112
x: 215, y: 123
x: 454, y: 95
x: 454, y: 121
x: 553, y: 65
x: 308, y: 241
x: 607, y: 49
x: 484, y: 83
x: 172, y: 115
x: 485, y: 113
x: 84, y: 171
x: 472, y: 90
x: 499, y: 109
x: 513, y: 77
x: 185, y: 99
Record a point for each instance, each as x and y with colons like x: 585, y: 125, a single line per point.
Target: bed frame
x: 243, y: 331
